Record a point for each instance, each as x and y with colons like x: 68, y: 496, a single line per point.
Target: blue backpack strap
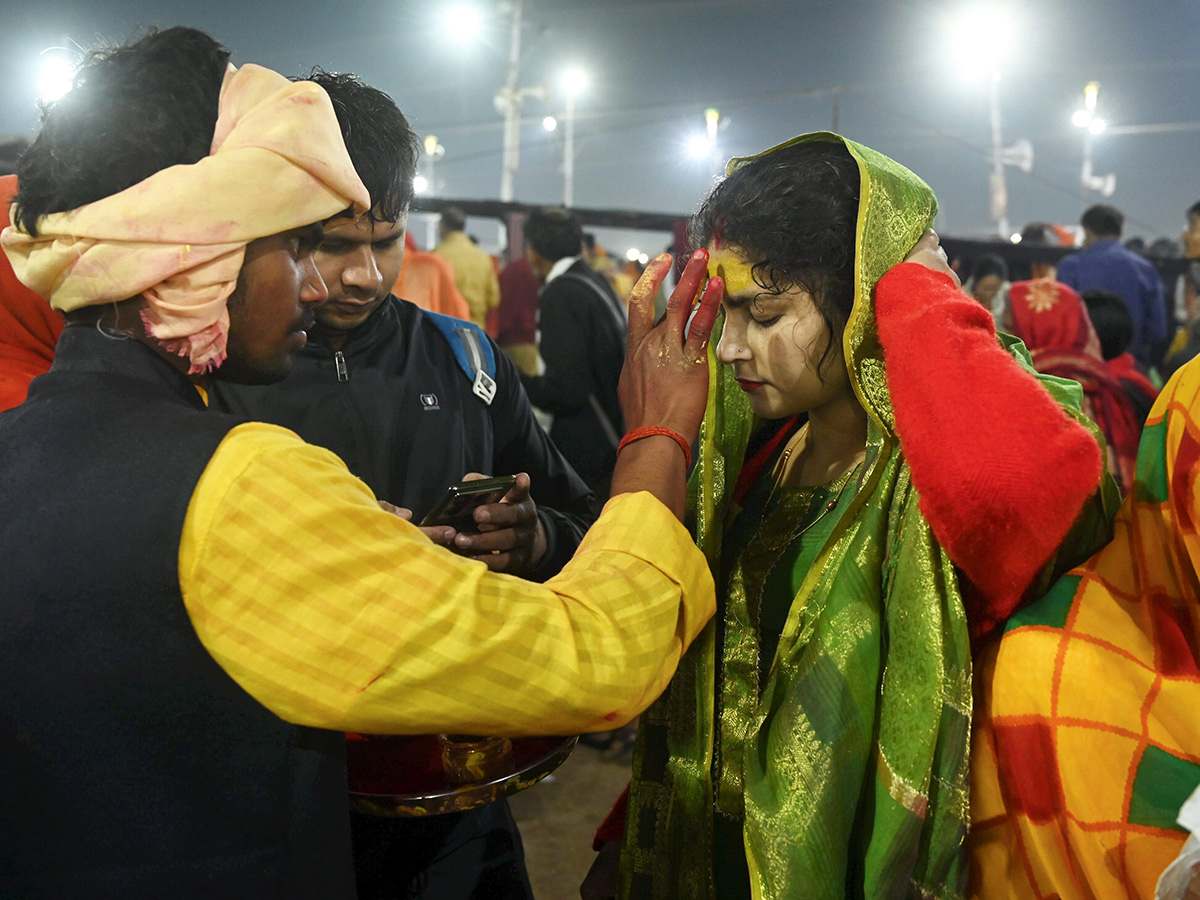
x: 472, y: 350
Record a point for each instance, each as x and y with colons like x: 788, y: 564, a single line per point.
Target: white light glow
x: 55, y: 78
x: 632, y: 253
x: 465, y: 22
x: 699, y: 147
x: 1081, y: 118
x: 420, y: 184
x: 1097, y: 126
x: 1016, y: 237
x: 574, y: 81
x: 983, y: 38
x: 643, y: 258
x: 549, y: 123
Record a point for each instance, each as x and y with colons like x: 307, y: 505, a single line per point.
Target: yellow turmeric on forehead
x: 733, y: 268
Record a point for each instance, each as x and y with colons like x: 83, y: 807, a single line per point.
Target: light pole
x: 573, y: 82
x: 508, y: 102
x: 999, y: 192
x: 1092, y: 125
x: 992, y: 25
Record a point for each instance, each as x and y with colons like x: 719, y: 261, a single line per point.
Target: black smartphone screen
x: 460, y: 501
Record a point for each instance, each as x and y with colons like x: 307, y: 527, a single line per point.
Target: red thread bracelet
x: 636, y: 434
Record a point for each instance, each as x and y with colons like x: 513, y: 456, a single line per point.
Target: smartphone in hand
x: 457, y: 506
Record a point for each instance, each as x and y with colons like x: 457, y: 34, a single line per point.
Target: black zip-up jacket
x: 396, y: 406
x: 583, y: 336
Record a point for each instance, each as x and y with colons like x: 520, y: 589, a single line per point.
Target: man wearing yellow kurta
x: 474, y: 275
x: 195, y: 606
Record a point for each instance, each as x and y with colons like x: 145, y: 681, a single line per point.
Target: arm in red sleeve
x: 1002, y: 470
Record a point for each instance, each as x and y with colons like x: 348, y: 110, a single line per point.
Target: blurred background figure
x: 1053, y: 322
x: 516, y: 319
x: 582, y: 334
x: 1114, y: 328
x: 1187, y: 290
x: 428, y: 281
x: 474, y: 271
x: 1103, y: 264
x: 988, y: 283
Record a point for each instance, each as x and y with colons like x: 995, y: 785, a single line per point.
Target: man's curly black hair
x: 133, y: 110
x: 381, y: 144
x: 793, y: 214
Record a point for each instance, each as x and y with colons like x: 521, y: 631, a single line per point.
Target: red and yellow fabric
x: 29, y: 328
x: 1088, y: 738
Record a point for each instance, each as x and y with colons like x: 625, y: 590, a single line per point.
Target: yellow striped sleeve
x: 335, y: 614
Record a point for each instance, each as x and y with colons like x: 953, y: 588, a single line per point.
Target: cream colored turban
x: 178, y: 238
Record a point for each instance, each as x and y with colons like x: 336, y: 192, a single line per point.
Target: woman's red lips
x: 749, y: 385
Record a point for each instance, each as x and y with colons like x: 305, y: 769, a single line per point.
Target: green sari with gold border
x: 849, y: 771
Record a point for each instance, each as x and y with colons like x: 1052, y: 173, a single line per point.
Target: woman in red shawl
x: 29, y: 328
x: 1053, y: 322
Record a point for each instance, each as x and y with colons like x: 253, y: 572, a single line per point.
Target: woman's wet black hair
x: 133, y: 111
x: 793, y: 214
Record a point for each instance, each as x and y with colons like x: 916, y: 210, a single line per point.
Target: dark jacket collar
x: 84, y: 350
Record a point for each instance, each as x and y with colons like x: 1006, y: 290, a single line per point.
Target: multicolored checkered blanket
x: 1087, y: 738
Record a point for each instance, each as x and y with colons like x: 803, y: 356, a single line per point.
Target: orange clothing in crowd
x: 428, y: 281
x: 29, y: 328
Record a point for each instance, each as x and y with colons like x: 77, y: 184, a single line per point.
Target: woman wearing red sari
x: 1053, y: 322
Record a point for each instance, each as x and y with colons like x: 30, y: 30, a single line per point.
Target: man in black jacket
x: 582, y: 333
x: 379, y: 384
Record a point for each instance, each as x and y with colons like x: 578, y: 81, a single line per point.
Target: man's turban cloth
x: 178, y: 238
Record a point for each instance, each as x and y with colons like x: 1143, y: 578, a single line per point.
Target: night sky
x: 768, y: 65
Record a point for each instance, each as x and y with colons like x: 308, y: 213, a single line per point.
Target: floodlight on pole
x: 574, y: 82
x: 985, y: 37
x: 465, y: 22
x: 699, y: 146
x: 420, y: 184
x: 550, y: 123
x: 1092, y: 125
x: 982, y: 35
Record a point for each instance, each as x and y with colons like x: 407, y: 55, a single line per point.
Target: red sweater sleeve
x: 1002, y: 471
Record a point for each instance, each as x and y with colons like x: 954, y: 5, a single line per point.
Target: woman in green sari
x: 865, y: 524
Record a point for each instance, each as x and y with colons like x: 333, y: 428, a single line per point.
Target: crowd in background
x: 922, y: 496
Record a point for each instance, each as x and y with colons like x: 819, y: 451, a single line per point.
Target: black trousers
x: 473, y: 855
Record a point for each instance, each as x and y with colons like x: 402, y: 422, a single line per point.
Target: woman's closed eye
x: 765, y: 323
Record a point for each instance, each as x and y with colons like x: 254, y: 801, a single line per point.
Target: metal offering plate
x: 398, y: 776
